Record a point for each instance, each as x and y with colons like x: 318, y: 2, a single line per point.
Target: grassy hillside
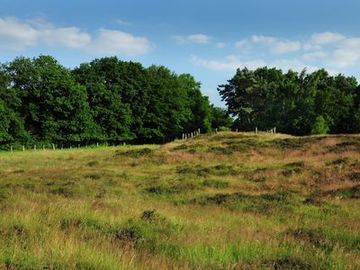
x: 221, y: 201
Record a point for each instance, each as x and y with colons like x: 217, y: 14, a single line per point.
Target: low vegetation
x: 220, y: 201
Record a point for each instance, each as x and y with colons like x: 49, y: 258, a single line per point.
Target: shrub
x: 151, y: 231
x: 320, y: 126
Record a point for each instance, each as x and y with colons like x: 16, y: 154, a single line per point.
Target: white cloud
x: 344, y: 58
x: 263, y: 39
x: 292, y: 64
x: 70, y: 37
x: 18, y: 35
x: 229, y: 63
x: 277, y: 45
x: 328, y: 49
x: 308, y: 46
x: 313, y: 56
x: 273, y: 44
x: 195, y: 38
x: 232, y: 62
x: 326, y: 38
x: 347, y: 54
x: 286, y: 46
x: 336, y: 50
x: 114, y: 42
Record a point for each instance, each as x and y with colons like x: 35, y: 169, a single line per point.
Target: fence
x: 190, y: 135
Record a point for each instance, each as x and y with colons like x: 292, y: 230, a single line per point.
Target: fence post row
x: 185, y: 136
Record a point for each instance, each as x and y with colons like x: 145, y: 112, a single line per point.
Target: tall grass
x: 220, y: 201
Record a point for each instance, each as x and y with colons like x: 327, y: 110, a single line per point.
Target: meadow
x: 219, y: 201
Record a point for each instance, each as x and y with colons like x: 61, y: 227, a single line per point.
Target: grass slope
x: 220, y: 201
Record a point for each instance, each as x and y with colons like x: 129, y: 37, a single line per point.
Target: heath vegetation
x: 235, y: 201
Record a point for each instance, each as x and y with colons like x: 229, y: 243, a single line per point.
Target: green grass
x: 219, y: 201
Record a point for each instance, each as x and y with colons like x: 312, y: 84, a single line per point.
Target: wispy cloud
x: 195, y: 38
x: 273, y: 44
x: 228, y: 63
x: 314, y: 56
x: 326, y: 38
x: 123, y: 22
x: 330, y: 50
x: 18, y: 35
x: 233, y: 62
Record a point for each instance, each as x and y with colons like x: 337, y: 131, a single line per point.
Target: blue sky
x: 208, y: 39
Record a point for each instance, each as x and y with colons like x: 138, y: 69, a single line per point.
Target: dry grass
x: 220, y: 201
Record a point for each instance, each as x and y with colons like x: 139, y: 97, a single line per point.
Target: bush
x: 150, y: 231
x: 320, y: 126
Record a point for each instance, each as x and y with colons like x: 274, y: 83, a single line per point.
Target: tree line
x: 104, y: 101
x: 298, y: 103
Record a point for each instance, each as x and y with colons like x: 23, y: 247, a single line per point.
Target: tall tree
x: 112, y: 115
x: 296, y: 103
x: 53, y: 105
x: 11, y: 124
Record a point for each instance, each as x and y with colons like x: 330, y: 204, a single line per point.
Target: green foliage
x: 11, y: 124
x: 130, y: 102
x: 320, y: 126
x: 295, y: 103
x: 106, y: 100
x: 220, y: 119
x: 53, y: 106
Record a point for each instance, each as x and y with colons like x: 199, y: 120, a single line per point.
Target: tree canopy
x: 106, y: 101
x: 295, y: 103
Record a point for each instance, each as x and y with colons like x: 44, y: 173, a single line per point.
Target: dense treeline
x: 107, y: 100
x: 295, y: 103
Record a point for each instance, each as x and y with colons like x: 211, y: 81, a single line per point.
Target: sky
x: 209, y: 39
